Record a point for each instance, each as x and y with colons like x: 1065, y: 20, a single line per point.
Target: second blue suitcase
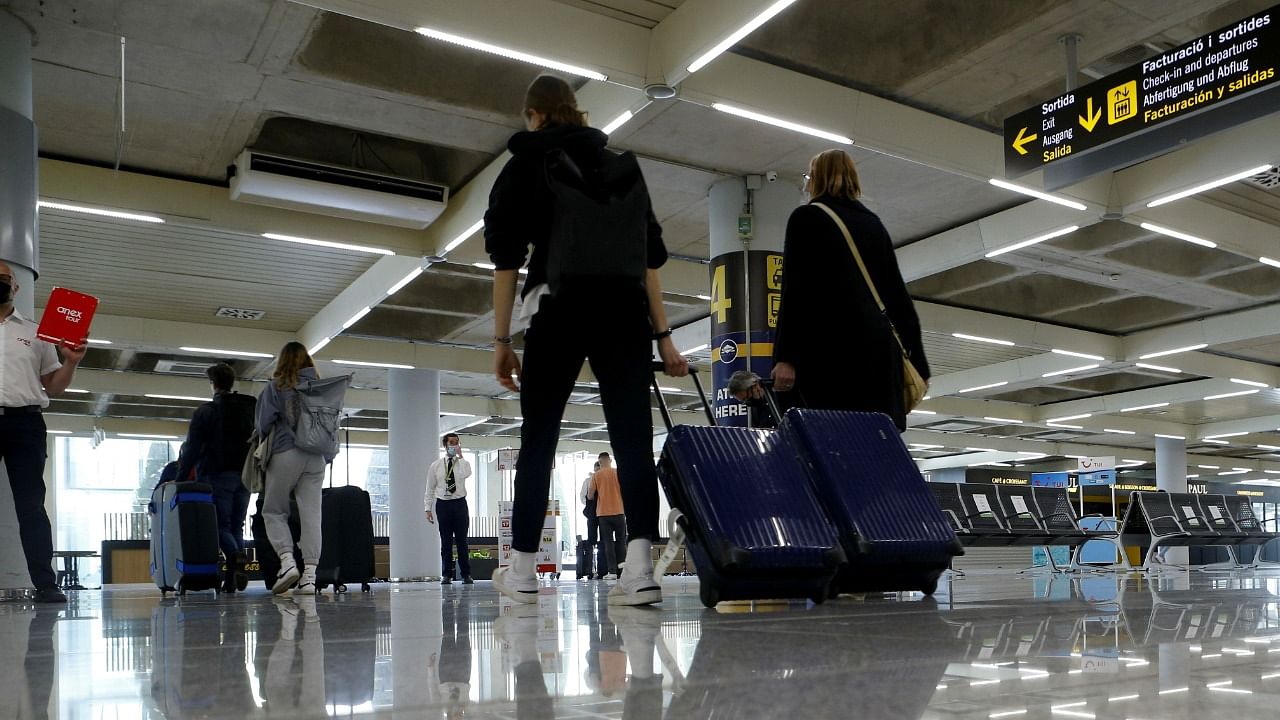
x: 894, y: 534
x: 752, y: 524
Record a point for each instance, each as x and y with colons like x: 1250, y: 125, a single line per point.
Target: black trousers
x: 454, y: 519
x: 613, y: 536
x: 615, y: 337
x: 22, y: 448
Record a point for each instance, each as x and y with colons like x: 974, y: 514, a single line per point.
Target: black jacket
x: 521, y: 205
x: 829, y: 326
x: 218, y: 437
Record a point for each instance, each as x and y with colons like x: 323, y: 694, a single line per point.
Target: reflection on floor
x: 988, y: 646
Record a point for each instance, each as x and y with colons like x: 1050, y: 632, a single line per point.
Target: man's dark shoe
x: 50, y: 595
x: 468, y: 581
x: 446, y: 580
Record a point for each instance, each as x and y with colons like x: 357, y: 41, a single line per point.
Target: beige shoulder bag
x: 915, y: 387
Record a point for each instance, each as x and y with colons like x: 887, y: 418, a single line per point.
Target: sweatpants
x: 300, y: 473
x: 615, y: 337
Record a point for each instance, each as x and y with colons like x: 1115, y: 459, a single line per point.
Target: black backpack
x: 236, y: 419
x: 600, y: 224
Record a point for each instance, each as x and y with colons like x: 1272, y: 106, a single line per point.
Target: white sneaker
x: 610, y: 577
x: 637, y: 586
x: 518, y: 581
x: 307, y: 582
x: 288, y: 575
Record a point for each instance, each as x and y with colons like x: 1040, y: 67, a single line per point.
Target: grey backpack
x: 317, y: 407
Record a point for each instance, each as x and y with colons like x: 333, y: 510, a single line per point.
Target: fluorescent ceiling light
x: 1008, y: 713
x: 1232, y: 394
x: 511, y: 54
x: 985, y: 387
x: 1250, y: 383
x: 1119, y: 432
x: 328, y: 244
x: 1174, y: 351
x: 43, y: 205
x: 1152, y: 406
x: 76, y: 391
x: 1192, y: 477
x: 1033, y: 241
x: 737, y: 35
x: 484, y: 266
x: 405, y: 281
x: 96, y: 341
x: 363, y: 429
x: 1216, y: 442
x: 617, y: 122
x: 1209, y: 467
x: 1037, y: 194
x: 319, y: 346
x: 1272, y: 472
x: 918, y: 411
x: 1179, y: 235
x: 158, y: 396
x: 1069, y: 417
x: 979, y: 338
x: 147, y: 436
x: 1086, y: 356
x: 1209, y: 185
x: 1068, y: 371
x: 1011, y: 421
x: 475, y: 228
x: 363, y: 363
x: 692, y: 350
x: 991, y: 464
x: 1234, y: 472
x: 1161, y: 368
x: 1222, y: 435
x: 1064, y: 425
x: 703, y: 297
x: 1174, y: 690
x: 784, y: 124
x: 1170, y: 437
x: 356, y: 318
x: 58, y: 432
x: 924, y: 446
x: 1269, y: 447
x: 978, y: 449
x: 1269, y: 261
x: 1132, y: 463
x: 219, y: 351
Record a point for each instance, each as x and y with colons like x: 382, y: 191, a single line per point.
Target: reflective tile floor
x: 987, y: 646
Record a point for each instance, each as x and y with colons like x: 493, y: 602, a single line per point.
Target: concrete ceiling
x: 203, y: 81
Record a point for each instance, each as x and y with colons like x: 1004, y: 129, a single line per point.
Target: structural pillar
x: 1171, y: 476
x: 414, y: 443
x: 748, y: 226
x: 18, y: 241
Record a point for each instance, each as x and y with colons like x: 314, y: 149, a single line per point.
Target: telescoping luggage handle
x: 662, y: 403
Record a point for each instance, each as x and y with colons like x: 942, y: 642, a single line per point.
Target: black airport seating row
x: 1005, y: 515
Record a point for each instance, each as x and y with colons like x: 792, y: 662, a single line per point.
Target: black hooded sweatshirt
x: 521, y: 205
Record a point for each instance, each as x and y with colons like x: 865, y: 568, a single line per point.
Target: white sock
x: 639, y: 559
x: 523, y: 564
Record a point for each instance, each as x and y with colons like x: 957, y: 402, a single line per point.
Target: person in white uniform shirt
x: 29, y: 373
x: 446, y: 501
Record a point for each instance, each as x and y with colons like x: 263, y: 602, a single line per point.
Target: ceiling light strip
x: 1033, y: 241
x: 413, y: 274
x: 1072, y: 353
x: 1269, y: 261
x: 1037, y: 194
x: 328, y: 244
x: 1152, y: 406
x: 511, y: 54
x: 1069, y: 417
x: 617, y: 122
x: 159, y: 396
x: 463, y: 236
x: 1068, y: 371
x: 1161, y: 368
x: 779, y: 122
x: 1231, y: 394
x: 101, y: 212
x: 356, y: 318
x: 737, y: 35
x: 1002, y: 383
x: 1174, y: 351
x: 364, y: 363
x: 1251, y: 383
x: 1010, y: 421
x: 219, y: 351
x: 1178, y: 235
x: 1170, y: 437
x: 979, y: 338
x: 1209, y: 185
x: 1119, y: 432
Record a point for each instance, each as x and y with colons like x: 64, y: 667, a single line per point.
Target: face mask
x: 6, y: 293
x: 452, y: 451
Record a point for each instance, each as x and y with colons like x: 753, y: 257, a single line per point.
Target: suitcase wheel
x: 364, y: 587
x: 930, y: 587
x: 710, y: 596
x: 339, y: 587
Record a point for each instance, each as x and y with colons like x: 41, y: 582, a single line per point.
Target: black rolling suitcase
x: 585, y: 567
x: 751, y: 521
x: 346, y: 539
x: 263, y: 552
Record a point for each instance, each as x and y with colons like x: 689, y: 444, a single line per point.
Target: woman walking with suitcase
x: 579, y: 312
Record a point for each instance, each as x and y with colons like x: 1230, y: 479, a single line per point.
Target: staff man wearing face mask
x: 447, y: 496
x: 29, y: 373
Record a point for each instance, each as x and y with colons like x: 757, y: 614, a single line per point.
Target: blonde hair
x: 833, y: 173
x: 293, y: 357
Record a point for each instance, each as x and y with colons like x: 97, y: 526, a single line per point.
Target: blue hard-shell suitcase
x: 891, y: 529
x: 752, y: 524
x: 184, y: 537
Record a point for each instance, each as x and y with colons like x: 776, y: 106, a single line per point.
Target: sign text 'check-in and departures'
x: 1208, y: 72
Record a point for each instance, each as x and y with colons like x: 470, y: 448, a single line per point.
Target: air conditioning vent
x: 182, y: 367
x: 1267, y: 180
x: 336, y: 191
x: 240, y: 313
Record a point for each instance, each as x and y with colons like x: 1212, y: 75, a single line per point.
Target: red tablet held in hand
x: 66, y: 317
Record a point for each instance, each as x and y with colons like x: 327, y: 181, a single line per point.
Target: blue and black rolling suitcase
x: 184, y: 538
x: 893, y: 533
x: 751, y: 521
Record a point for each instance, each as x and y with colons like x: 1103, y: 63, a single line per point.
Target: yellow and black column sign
x: 730, y: 346
x: 1210, y: 71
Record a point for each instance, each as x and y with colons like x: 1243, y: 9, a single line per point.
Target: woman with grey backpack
x: 300, y: 449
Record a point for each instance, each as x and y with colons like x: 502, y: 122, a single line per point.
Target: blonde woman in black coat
x: 834, y: 349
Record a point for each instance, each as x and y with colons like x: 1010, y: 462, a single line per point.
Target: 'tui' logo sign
x: 728, y: 351
x: 72, y: 315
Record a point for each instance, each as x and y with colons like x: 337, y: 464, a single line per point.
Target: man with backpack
x: 217, y: 442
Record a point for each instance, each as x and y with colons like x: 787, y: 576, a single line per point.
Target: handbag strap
x: 853, y: 248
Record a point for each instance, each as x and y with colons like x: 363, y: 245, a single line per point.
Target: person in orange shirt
x: 613, y: 523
